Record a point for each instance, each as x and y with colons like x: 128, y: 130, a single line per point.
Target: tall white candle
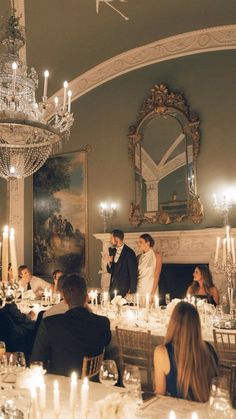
x: 147, y: 300
x: 84, y: 398
x: 156, y: 301
x: 233, y: 249
x: 5, y: 260
x: 45, y: 87
x: 228, y: 239
x: 65, y: 85
x: 224, y: 252
x: 217, y: 249
x: 0, y: 253
x: 56, y: 398
x: 96, y: 297
x: 69, y: 100
x: 14, y: 68
x: 73, y: 390
x: 13, y: 257
x: 105, y: 298
x: 42, y: 396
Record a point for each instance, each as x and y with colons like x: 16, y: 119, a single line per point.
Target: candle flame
x: 73, y: 377
x: 14, y: 66
x: 46, y: 73
x: 65, y: 84
x: 6, y: 229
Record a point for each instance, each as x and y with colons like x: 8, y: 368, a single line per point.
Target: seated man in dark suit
x: 64, y: 339
x: 17, y: 330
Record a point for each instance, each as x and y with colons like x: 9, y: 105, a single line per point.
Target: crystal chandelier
x: 27, y: 138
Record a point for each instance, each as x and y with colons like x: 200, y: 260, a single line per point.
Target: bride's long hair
x: 195, y: 363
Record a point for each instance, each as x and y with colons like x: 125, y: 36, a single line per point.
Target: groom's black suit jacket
x: 64, y: 339
x: 124, y: 273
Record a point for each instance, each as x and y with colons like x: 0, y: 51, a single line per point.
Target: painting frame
x: 83, y: 151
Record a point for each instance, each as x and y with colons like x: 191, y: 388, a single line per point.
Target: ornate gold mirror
x: 164, y: 144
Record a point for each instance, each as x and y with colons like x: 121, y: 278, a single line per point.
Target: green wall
x: 102, y: 118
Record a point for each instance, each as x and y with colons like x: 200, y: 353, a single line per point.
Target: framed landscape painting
x: 60, y: 215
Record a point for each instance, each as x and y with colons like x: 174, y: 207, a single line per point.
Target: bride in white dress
x: 149, y: 267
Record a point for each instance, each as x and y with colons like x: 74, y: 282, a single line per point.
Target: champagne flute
x: 108, y: 374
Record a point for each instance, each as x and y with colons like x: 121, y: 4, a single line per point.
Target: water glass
x: 108, y: 374
x: 167, y: 298
x: 219, y: 405
x: 3, y: 364
x: 17, y: 362
x: 2, y: 348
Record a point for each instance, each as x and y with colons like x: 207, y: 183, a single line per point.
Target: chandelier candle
x: 14, y: 68
x: 69, y: 100
x: 13, y: 257
x: 5, y: 238
x: 65, y: 85
x: 45, y: 88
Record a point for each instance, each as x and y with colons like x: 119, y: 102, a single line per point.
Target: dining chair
x: 91, y: 366
x: 225, y: 345
x: 233, y: 386
x: 135, y: 348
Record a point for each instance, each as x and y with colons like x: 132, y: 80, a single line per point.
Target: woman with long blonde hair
x: 185, y: 365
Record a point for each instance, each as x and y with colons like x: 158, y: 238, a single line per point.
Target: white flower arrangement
x: 114, y: 406
x: 119, y: 301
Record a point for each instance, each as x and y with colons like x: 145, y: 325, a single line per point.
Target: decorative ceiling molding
x: 204, y: 40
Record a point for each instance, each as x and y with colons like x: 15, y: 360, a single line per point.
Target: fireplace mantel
x: 186, y: 246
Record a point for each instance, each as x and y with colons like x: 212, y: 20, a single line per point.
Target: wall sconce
x: 107, y: 211
x: 223, y: 204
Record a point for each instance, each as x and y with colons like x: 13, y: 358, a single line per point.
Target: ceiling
x: 67, y: 37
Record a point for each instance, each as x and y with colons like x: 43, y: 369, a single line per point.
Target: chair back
x: 233, y: 386
x: 225, y: 345
x: 136, y: 348
x: 91, y: 365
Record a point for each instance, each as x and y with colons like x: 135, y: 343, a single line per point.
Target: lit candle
x: 73, y: 390
x: 137, y: 300
x: 224, y: 253
x: 14, y: 265
x: 56, y: 101
x: 228, y: 239
x: 65, y: 85
x: 56, y: 398
x: 14, y: 68
x: 147, y: 300
x: 172, y: 415
x: 42, y: 396
x: 45, y: 87
x: 233, y: 250
x: 84, y: 398
x: 156, y: 301
x: 115, y: 293
x: 217, y: 249
x: 33, y: 395
x: 105, y: 298
x: 5, y: 254
x: 69, y: 94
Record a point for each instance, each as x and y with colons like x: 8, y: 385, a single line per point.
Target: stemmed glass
x: 219, y: 401
x: 108, y: 374
x: 17, y: 362
x: 132, y: 380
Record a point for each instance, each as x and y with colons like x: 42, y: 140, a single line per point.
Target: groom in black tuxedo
x: 122, y: 266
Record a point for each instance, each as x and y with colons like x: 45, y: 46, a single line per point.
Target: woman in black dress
x: 203, y: 286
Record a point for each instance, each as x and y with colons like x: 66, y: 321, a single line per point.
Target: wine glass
x: 2, y: 348
x: 219, y: 404
x: 17, y: 362
x: 132, y: 378
x: 108, y: 374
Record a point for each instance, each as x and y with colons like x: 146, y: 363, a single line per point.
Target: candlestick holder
x: 107, y: 211
x: 227, y: 267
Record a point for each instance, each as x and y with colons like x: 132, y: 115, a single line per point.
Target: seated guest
x: 61, y: 307
x: 30, y: 282
x: 203, y: 286
x: 63, y: 340
x: 17, y: 330
x: 55, y: 276
x: 185, y: 365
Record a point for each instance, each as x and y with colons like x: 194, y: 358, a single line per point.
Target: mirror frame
x: 161, y: 102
